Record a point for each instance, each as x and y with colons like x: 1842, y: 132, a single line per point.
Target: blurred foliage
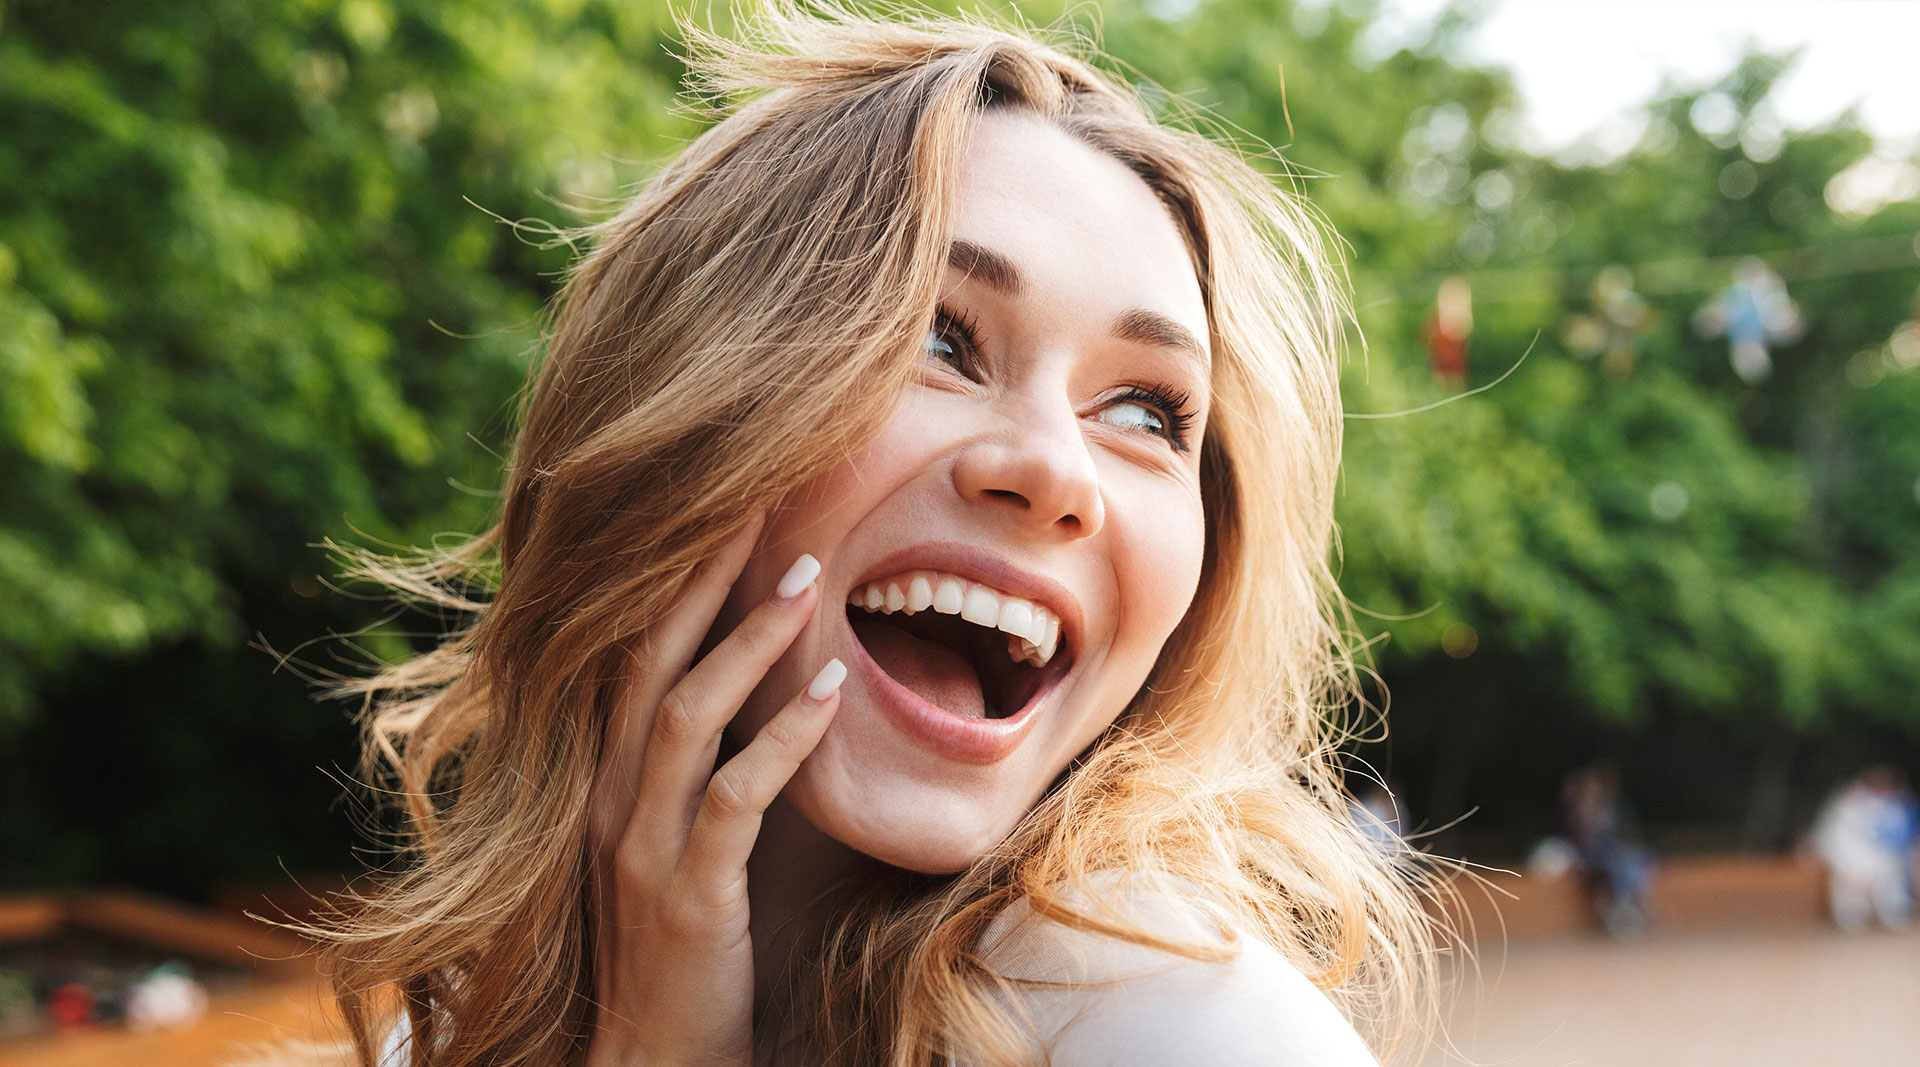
x: 235, y: 244
x: 1540, y: 521
x: 256, y: 289
x: 258, y: 286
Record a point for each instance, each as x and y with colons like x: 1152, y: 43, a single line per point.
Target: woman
x: 913, y: 639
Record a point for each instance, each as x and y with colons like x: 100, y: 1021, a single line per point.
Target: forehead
x: 1085, y: 232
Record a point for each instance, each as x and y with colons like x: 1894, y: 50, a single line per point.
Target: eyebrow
x: 1139, y: 325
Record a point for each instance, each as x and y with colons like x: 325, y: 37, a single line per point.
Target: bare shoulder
x: 1108, y: 1002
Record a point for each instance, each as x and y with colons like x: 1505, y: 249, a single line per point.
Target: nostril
x: 1040, y: 490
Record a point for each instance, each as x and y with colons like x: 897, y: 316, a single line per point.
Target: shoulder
x: 1094, y: 999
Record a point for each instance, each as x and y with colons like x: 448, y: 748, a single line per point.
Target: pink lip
x: 979, y: 741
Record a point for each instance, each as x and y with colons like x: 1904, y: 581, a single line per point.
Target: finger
x: 736, y: 798
x: 646, y: 673
x: 686, y: 727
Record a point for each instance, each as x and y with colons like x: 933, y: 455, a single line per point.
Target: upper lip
x: 990, y: 570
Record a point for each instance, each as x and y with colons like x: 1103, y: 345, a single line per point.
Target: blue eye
x: 1133, y: 415
x: 1162, y: 411
x: 952, y: 340
x: 941, y: 349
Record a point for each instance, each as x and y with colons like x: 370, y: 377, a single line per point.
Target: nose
x: 1036, y: 469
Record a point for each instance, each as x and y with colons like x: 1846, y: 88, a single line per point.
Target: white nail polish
x: 798, y: 577
x: 827, y: 682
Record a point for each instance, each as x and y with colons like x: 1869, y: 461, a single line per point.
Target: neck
x: 792, y: 865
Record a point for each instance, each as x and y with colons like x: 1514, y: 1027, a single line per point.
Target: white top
x: 1130, y: 1004
x: 1133, y: 1005
x: 394, y: 1050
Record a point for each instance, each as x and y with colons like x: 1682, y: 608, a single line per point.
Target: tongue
x: 939, y: 675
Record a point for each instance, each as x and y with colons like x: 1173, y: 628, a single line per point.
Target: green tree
x: 257, y: 288
x: 255, y: 291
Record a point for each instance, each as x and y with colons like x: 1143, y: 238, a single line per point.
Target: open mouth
x: 958, y: 645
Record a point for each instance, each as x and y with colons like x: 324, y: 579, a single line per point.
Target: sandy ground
x: 275, y: 1011
x: 1801, y: 996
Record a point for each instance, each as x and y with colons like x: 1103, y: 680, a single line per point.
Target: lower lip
x: 941, y: 732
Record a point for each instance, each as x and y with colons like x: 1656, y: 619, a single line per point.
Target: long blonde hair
x: 734, y: 331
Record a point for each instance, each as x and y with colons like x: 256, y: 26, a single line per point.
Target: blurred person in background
x: 1617, y: 868
x: 1865, y: 836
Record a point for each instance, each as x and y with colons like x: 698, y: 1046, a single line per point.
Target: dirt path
x: 286, y: 1009
x: 1803, y: 996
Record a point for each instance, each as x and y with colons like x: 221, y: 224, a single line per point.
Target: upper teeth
x: 1033, y: 632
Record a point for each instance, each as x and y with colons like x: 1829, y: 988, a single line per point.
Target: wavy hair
x: 669, y: 408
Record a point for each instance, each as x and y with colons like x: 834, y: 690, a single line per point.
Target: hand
x: 670, y: 836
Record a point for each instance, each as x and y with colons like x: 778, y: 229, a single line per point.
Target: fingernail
x: 798, y: 577
x: 827, y: 682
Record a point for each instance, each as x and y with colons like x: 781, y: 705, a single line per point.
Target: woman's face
x: 1023, y: 533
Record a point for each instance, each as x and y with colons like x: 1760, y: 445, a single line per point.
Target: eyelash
x: 1173, y: 405
x: 965, y: 325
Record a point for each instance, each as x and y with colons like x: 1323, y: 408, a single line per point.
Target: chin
x: 917, y: 858
x: 929, y: 832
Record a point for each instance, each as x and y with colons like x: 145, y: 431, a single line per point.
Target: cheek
x: 823, y: 515
x: 1159, y: 569
x: 1157, y: 541
x: 855, y: 501
x: 818, y: 515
